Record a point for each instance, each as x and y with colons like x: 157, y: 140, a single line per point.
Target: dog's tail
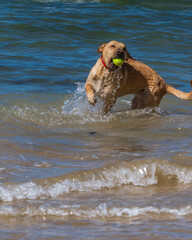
x: 178, y: 93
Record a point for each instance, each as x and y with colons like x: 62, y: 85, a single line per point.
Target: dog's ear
x: 100, y: 49
x: 128, y: 56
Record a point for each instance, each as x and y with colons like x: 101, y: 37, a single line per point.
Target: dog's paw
x: 92, y: 99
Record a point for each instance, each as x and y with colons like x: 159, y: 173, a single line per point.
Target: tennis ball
x: 118, y: 61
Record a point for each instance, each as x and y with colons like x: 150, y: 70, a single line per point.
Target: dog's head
x: 113, y: 50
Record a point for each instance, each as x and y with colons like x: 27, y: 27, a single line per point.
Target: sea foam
x: 102, y: 210
x: 138, y: 173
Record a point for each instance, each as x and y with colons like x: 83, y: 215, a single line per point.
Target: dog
x: 108, y: 81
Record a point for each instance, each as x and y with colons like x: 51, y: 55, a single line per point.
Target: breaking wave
x: 138, y: 173
x: 102, y: 210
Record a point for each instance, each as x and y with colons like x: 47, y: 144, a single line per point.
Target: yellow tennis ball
x: 118, y: 61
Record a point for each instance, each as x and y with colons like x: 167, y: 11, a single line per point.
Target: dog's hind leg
x: 145, y: 99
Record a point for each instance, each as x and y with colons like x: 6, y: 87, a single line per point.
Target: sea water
x: 66, y: 170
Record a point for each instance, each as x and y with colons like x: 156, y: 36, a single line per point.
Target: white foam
x: 144, y: 173
x: 102, y: 210
x: 28, y: 190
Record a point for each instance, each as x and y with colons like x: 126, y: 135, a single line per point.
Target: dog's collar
x: 104, y: 63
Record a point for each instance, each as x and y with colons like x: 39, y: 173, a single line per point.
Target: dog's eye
x: 112, y: 46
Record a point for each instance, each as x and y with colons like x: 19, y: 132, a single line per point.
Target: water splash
x: 51, y: 111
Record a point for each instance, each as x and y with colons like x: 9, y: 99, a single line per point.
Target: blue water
x: 67, y: 171
x: 49, y: 44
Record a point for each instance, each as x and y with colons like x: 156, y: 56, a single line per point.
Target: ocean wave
x: 138, y: 173
x: 102, y: 210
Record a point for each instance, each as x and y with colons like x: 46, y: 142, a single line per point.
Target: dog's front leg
x: 108, y: 105
x: 90, y: 94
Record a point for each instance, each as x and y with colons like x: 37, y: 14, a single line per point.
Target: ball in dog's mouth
x: 115, y: 63
x: 118, y: 61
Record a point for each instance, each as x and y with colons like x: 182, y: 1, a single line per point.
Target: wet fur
x: 133, y: 77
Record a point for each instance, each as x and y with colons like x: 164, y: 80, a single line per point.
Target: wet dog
x: 108, y: 82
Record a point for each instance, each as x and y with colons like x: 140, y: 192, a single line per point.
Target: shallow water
x: 68, y: 171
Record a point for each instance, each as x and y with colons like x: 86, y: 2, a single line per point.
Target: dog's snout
x: 119, y: 50
x: 120, y: 53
